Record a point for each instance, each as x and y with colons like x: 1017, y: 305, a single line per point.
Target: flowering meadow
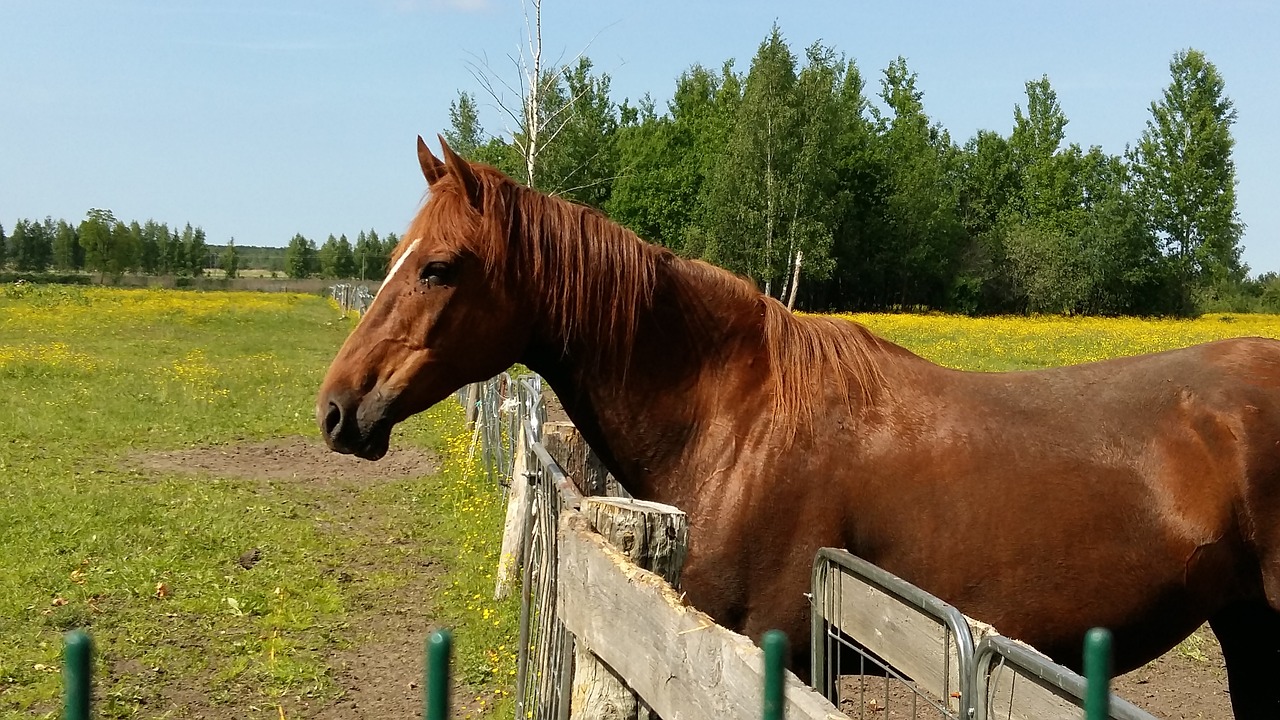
x: 1023, y: 343
x: 92, y: 380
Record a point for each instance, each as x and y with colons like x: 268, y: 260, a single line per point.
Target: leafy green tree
x: 229, y: 260
x: 17, y: 237
x: 811, y: 187
x: 3, y: 249
x: 388, y: 247
x: 924, y: 236
x: 98, y: 238
x: 664, y: 161
x: 66, y: 247
x: 1046, y: 190
x: 31, y: 246
x: 580, y: 160
x: 751, y: 184
x: 465, y: 135
x: 172, y: 257
x: 1186, y: 176
x: 299, y: 257
x: 149, y: 258
x: 370, y: 259
x: 195, y: 250
x: 344, y: 262
x: 126, y: 248
x: 326, y: 257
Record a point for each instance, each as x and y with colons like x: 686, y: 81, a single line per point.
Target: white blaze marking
x: 394, y: 269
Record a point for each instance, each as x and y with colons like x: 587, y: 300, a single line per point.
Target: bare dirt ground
x: 1186, y: 683
x: 379, y: 674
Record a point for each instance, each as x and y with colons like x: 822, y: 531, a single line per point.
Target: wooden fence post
x: 471, y: 404
x: 654, y: 537
x: 518, y: 509
x: 564, y: 443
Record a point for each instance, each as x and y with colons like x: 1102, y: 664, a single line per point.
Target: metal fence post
x: 439, y: 648
x: 1097, y: 674
x: 77, y: 668
x: 775, y: 653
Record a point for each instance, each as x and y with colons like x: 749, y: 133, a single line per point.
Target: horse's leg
x: 1250, y: 638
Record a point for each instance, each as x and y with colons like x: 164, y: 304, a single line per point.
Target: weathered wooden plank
x: 1012, y: 694
x: 651, y: 535
x: 519, y: 507
x: 676, y: 658
x: 654, y: 537
x: 574, y: 456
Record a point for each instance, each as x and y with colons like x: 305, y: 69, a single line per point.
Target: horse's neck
x: 641, y: 413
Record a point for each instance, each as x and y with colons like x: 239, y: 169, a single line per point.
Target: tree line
x: 338, y: 258
x: 791, y: 174
x: 103, y: 244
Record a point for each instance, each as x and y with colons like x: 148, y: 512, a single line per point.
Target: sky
x: 259, y: 119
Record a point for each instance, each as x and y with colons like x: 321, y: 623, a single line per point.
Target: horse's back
x: 1157, y: 470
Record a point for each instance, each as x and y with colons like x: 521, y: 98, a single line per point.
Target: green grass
x: 90, y: 378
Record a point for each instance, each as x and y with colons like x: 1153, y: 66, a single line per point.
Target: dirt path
x: 378, y: 674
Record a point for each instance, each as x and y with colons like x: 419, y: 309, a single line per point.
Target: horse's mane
x: 596, y: 279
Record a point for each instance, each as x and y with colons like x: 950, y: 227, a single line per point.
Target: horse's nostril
x: 332, y: 419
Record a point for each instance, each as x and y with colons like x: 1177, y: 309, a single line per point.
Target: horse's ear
x: 461, y: 169
x: 432, y: 168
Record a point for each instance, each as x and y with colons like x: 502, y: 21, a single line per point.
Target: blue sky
x: 260, y: 119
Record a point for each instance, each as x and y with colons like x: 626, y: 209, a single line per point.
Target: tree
x: 17, y: 237
x: 1046, y: 191
x: 97, y: 237
x: 195, y: 250
x: 370, y: 259
x: 299, y: 257
x: 810, y: 230
x: 465, y: 135
x: 67, y: 254
x: 326, y: 257
x: 152, y: 239
x: 3, y: 249
x: 344, y: 263
x: 172, y: 259
x: 31, y: 247
x: 923, y: 238
x: 229, y: 261
x: 750, y: 185
x: 580, y: 161
x: 1185, y: 175
x: 126, y: 248
x: 545, y: 110
x: 663, y: 162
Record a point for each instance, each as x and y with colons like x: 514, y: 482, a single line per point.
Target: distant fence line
x: 351, y: 297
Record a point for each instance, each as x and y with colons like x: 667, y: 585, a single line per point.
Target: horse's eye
x: 435, y: 274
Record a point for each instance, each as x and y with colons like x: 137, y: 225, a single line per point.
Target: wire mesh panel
x: 546, y: 663
x: 1017, y: 683
x: 883, y: 648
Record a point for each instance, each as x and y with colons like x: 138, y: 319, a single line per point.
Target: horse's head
x: 446, y: 315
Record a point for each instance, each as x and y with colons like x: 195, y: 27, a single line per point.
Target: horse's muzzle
x: 339, y: 417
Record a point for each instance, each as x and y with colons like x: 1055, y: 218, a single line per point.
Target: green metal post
x: 1097, y: 674
x: 439, y: 647
x: 775, y: 654
x: 77, y: 665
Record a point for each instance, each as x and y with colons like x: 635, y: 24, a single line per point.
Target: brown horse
x: 1140, y: 494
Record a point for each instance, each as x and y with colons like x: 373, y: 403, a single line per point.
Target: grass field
x: 93, y: 379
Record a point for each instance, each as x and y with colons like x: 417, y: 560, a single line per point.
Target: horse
x: 1141, y: 494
